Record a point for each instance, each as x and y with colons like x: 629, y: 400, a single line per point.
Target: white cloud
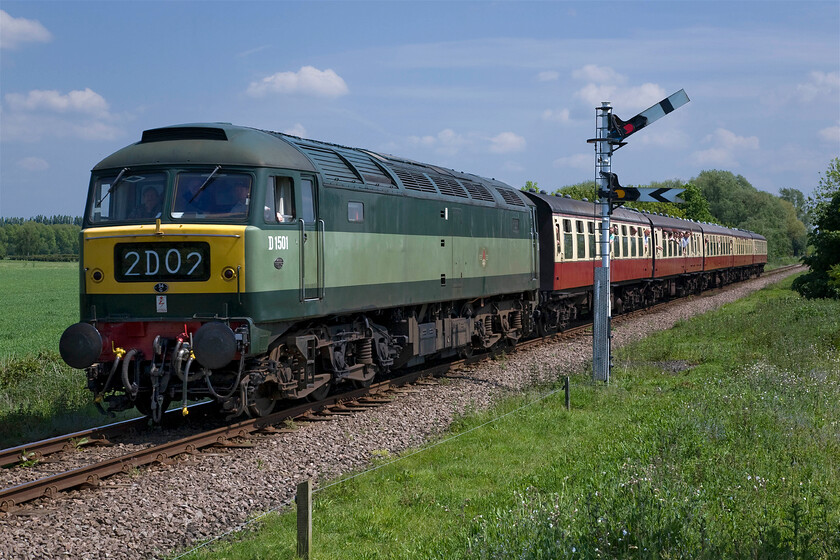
x: 32, y: 127
x: 308, y: 80
x: 548, y: 76
x: 507, y: 142
x: 559, y: 115
x: 821, y: 85
x: 80, y: 101
x: 577, y: 161
x: 634, y: 98
x: 296, y: 130
x: 446, y: 142
x: 731, y: 141
x: 605, y: 84
x: 831, y: 134
x: 16, y: 31
x: 449, y: 142
x: 33, y: 164
x: 726, y: 149
x: 664, y: 137
x: 598, y: 75
x: 78, y: 114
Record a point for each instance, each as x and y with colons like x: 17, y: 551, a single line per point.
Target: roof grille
x: 478, y: 192
x: 333, y: 166
x: 510, y: 196
x: 182, y: 133
x: 449, y: 186
x: 415, y: 181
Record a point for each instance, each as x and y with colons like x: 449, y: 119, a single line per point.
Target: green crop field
x: 40, y: 299
x: 39, y: 394
x: 735, y: 453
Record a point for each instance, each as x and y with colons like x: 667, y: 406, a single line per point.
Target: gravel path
x: 157, y: 510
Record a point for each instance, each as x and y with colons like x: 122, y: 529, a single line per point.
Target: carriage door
x: 312, y: 245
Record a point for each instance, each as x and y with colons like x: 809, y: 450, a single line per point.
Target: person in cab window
x: 150, y: 205
x: 191, y: 198
x: 241, y: 195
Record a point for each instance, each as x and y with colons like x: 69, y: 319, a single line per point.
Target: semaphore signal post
x: 611, y: 133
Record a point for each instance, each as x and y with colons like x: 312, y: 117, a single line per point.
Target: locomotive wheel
x: 320, y: 393
x: 357, y: 384
x: 261, y: 404
x: 370, y: 373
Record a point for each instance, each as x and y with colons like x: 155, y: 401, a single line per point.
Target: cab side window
x: 307, y: 199
x: 279, y: 200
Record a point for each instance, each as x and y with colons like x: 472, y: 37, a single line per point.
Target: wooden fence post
x: 304, y: 519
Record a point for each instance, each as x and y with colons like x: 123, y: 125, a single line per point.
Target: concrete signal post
x: 611, y: 133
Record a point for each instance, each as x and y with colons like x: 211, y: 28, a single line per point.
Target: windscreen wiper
x: 204, y: 184
x: 113, y: 186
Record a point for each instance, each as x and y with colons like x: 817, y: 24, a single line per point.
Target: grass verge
x: 717, y: 439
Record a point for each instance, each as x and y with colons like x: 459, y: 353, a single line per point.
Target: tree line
x: 40, y: 238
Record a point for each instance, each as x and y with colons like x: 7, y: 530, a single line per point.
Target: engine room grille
x: 371, y: 172
x: 333, y: 166
x: 478, y: 192
x: 510, y: 196
x: 415, y: 181
x: 449, y: 186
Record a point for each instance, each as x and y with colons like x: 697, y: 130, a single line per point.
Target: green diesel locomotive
x: 251, y: 266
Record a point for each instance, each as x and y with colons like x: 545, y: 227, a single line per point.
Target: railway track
x: 233, y: 435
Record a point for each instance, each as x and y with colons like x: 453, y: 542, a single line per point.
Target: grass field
x: 735, y: 456
x: 40, y: 299
x: 39, y: 394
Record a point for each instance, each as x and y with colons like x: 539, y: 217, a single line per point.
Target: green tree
x: 696, y: 207
x: 736, y: 203
x: 797, y: 199
x: 579, y: 191
x: 823, y: 280
x: 28, y: 240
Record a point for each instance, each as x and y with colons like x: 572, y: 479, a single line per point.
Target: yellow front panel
x: 227, y: 250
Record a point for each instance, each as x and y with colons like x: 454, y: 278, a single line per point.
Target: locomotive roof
x: 207, y: 144
x: 224, y: 143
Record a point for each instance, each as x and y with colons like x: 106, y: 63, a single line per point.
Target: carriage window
x: 557, y: 238
x: 625, y: 242
x: 568, y: 249
x: 279, y: 201
x: 591, y: 228
x: 581, y: 240
x: 355, y: 212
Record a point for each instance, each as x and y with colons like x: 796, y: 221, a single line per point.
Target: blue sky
x: 501, y: 89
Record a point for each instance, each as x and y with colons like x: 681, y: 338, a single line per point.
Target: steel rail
x: 99, y: 435
x: 91, y: 475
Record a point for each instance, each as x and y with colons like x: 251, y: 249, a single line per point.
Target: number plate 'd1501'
x: 150, y: 262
